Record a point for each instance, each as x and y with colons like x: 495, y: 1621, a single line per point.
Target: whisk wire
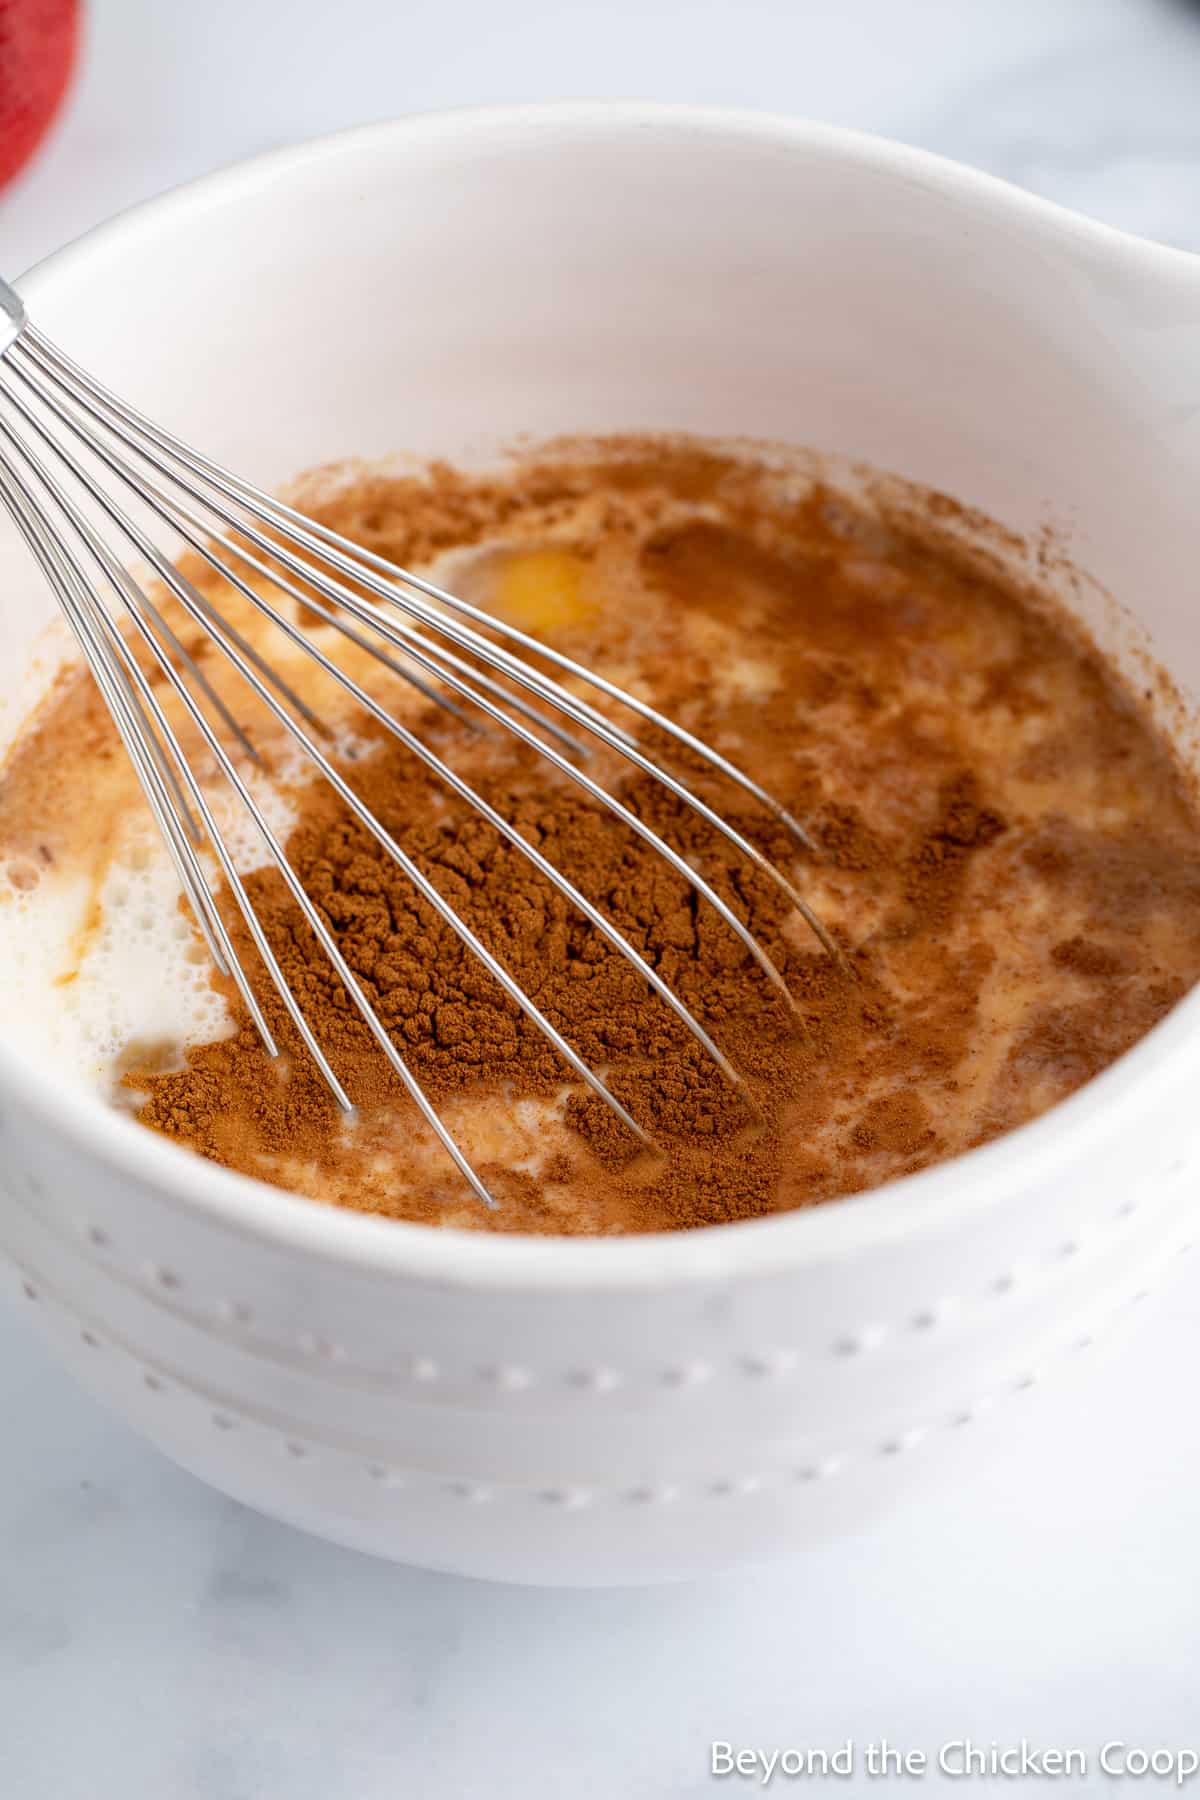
x: 402, y: 620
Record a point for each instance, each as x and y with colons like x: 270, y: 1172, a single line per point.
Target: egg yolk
x: 543, y: 590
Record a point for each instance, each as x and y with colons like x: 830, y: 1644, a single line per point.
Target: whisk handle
x: 12, y: 316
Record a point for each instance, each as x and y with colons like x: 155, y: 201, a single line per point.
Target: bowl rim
x: 1034, y: 1153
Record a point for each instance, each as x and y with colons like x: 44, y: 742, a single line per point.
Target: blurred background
x: 1093, y: 102
x: 158, y: 1642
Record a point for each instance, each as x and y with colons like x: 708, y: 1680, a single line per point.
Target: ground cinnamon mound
x: 458, y: 1030
x: 1007, y: 855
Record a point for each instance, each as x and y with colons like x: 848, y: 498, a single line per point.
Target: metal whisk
x: 71, y: 452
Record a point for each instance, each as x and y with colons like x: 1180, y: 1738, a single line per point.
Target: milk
x: 91, y: 972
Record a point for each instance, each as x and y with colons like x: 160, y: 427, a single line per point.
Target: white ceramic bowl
x: 594, y: 1412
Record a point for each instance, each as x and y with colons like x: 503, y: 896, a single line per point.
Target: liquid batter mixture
x: 1009, y: 856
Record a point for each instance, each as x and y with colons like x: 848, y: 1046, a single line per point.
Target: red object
x: 38, y: 43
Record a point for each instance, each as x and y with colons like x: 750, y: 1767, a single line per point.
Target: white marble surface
x: 160, y: 1643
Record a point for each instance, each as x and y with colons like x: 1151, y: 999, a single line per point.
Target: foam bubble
x: 86, y: 993
x: 242, y: 837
